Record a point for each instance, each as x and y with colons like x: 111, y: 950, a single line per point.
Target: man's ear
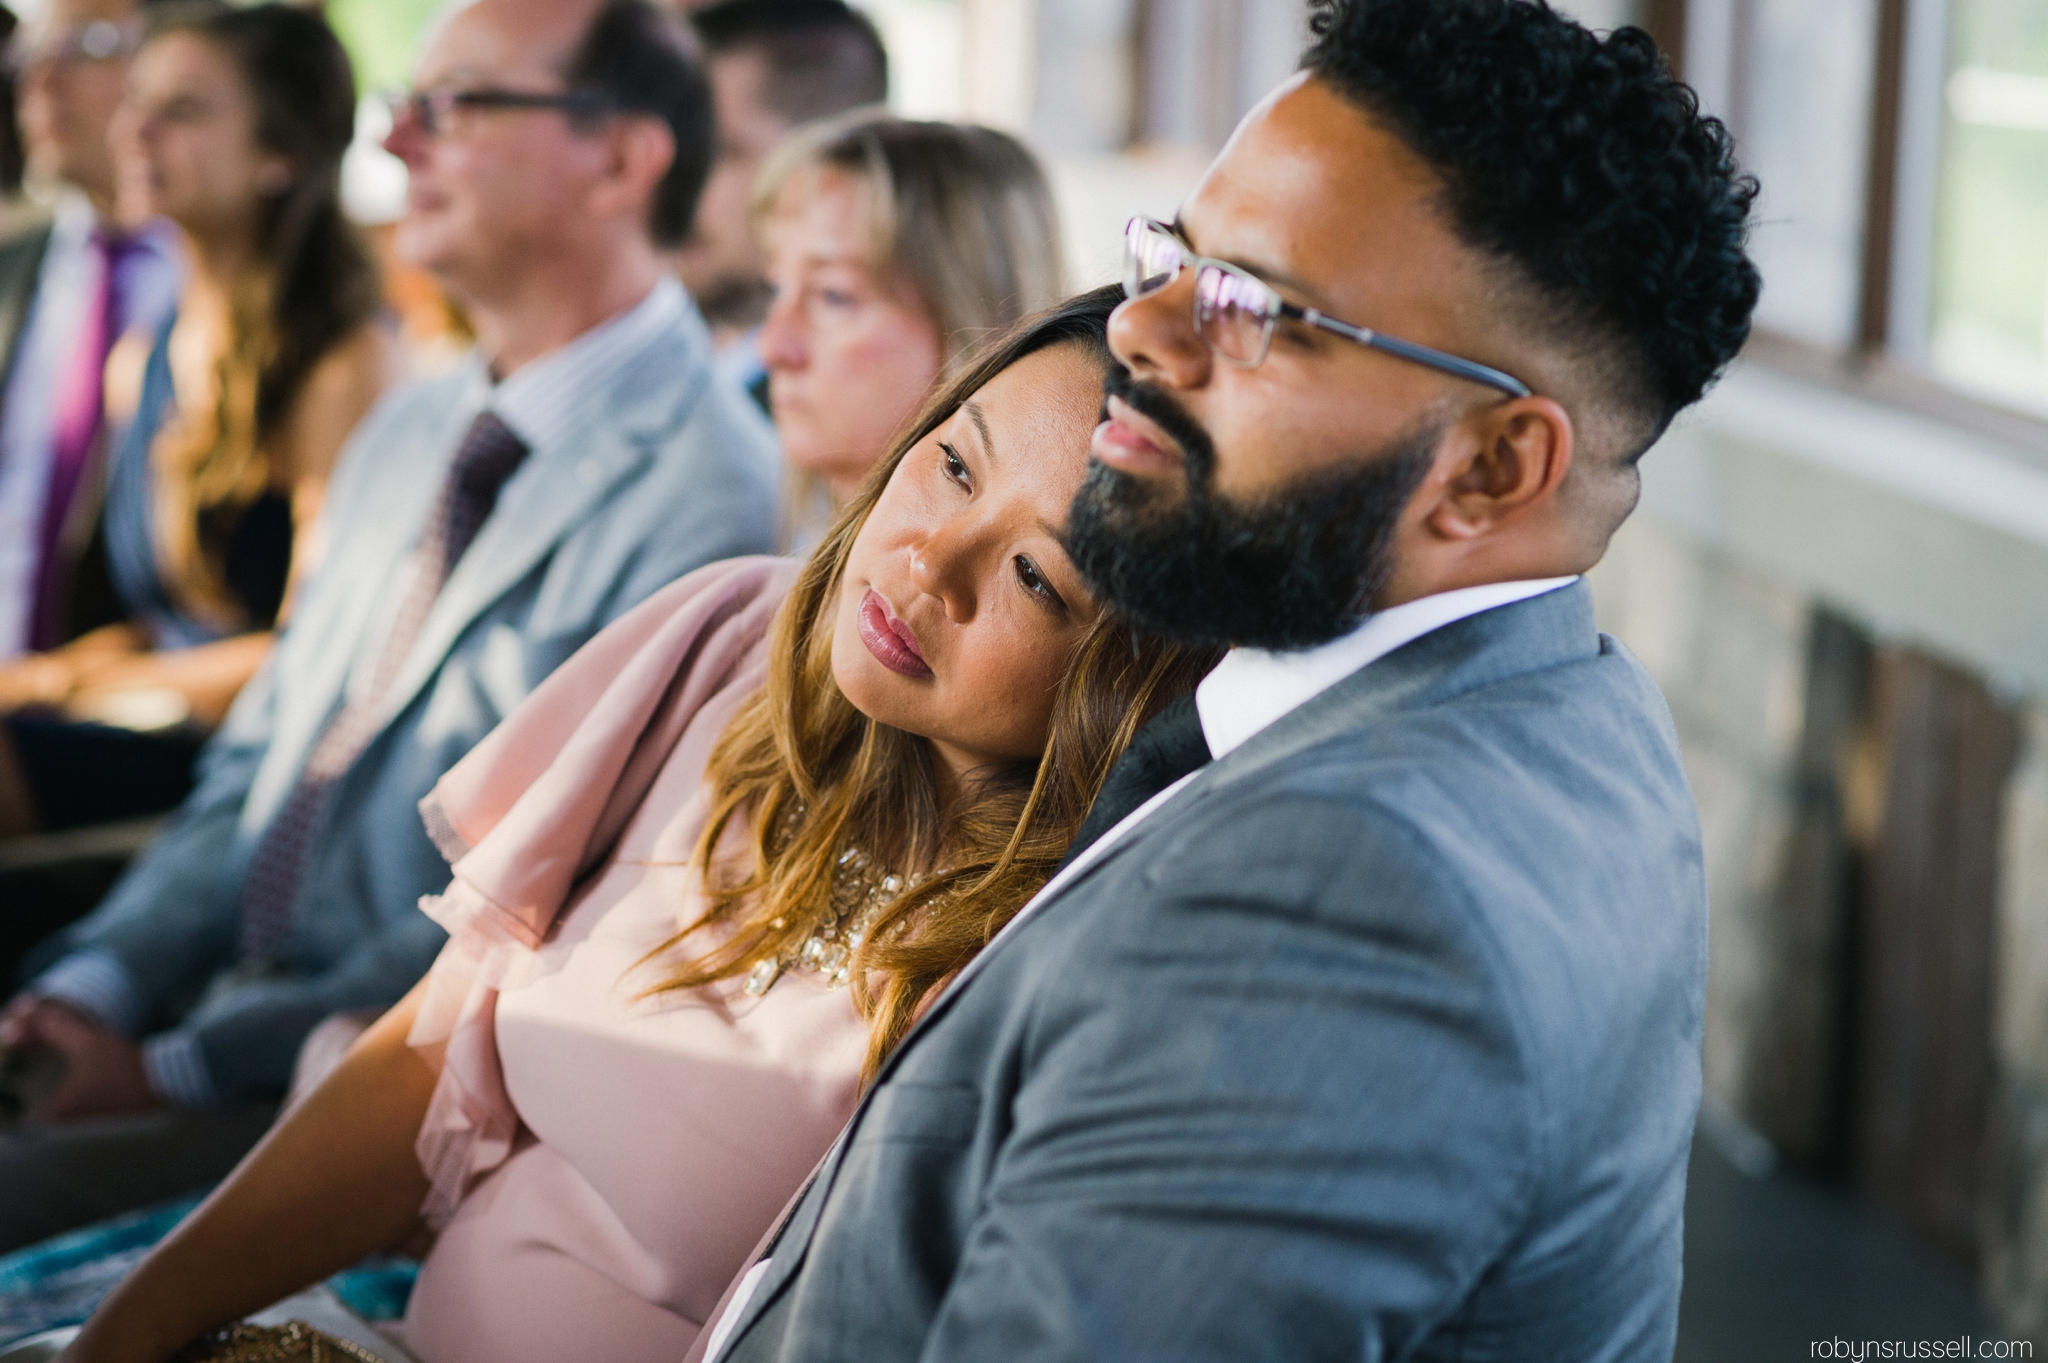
x: 1518, y: 454
x: 639, y: 149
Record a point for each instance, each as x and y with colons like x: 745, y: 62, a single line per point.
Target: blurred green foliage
x: 381, y: 36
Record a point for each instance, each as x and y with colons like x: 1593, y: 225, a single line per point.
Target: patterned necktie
x: 1169, y: 747
x: 490, y: 454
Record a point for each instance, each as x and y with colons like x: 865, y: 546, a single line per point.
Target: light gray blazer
x: 668, y: 470
x: 1379, y: 1041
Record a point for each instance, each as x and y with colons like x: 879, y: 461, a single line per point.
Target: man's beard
x: 1295, y: 569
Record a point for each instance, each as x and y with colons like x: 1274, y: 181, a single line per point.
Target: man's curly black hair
x: 1578, y: 160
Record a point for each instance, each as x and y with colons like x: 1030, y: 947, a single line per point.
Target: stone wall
x: 1770, y: 691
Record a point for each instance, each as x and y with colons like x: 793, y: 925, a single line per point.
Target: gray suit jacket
x: 669, y: 470
x: 1380, y: 1040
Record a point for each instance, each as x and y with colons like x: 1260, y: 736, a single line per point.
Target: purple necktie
x: 79, y: 410
x: 489, y: 455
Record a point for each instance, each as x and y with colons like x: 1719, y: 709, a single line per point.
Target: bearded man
x: 1364, y: 1020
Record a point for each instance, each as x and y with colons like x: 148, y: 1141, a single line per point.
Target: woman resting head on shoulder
x: 895, y: 249
x: 943, y: 699
x: 705, y: 878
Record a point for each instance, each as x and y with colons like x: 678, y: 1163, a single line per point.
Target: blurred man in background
x: 774, y: 64
x: 482, y: 527
x: 70, y: 286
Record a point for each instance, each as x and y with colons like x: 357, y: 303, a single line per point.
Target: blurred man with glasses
x: 70, y: 287
x: 481, y: 527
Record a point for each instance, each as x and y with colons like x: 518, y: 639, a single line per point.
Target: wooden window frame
x: 1886, y: 364
x: 1881, y: 379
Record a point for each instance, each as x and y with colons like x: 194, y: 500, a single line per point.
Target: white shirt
x: 538, y: 399
x: 1248, y: 691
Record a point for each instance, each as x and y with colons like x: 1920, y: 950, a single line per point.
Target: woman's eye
x: 1035, y: 583
x: 955, y: 466
x: 836, y: 298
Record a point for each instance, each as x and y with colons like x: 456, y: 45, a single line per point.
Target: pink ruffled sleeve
x: 537, y: 806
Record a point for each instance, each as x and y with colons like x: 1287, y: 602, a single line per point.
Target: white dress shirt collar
x: 539, y: 399
x: 72, y: 219
x: 1252, y: 687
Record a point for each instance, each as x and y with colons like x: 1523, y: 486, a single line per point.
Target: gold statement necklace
x: 861, y: 892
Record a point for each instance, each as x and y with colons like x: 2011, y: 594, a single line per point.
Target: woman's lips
x: 1134, y: 443
x: 889, y: 639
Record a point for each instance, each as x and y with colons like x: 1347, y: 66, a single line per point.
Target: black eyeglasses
x: 434, y: 107
x: 1236, y: 311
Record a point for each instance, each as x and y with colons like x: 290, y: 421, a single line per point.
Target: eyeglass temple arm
x: 1408, y: 350
x: 529, y: 99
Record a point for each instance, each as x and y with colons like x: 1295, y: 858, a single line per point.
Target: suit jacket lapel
x: 344, y: 604
x: 21, y: 266
x: 792, y: 1237
x: 1163, y: 816
x: 790, y: 1241
x: 552, y: 495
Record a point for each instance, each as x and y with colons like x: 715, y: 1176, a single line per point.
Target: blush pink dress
x: 604, y: 1160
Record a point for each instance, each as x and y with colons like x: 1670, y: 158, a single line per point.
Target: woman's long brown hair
x: 309, y: 285
x: 812, y: 776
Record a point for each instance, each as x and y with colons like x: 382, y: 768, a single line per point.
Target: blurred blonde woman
x: 893, y: 248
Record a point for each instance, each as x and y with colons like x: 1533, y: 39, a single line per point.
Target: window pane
x: 1989, y: 324
x: 1602, y: 15
x: 1804, y: 93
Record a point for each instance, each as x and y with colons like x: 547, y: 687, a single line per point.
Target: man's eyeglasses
x: 433, y: 109
x: 1236, y: 311
x: 99, y: 41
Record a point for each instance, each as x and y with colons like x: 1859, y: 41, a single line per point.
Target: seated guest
x: 232, y: 129
x: 774, y: 64
x: 71, y: 284
x: 481, y: 528
x: 894, y: 248
x: 1370, y: 1028
x: 839, y: 781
